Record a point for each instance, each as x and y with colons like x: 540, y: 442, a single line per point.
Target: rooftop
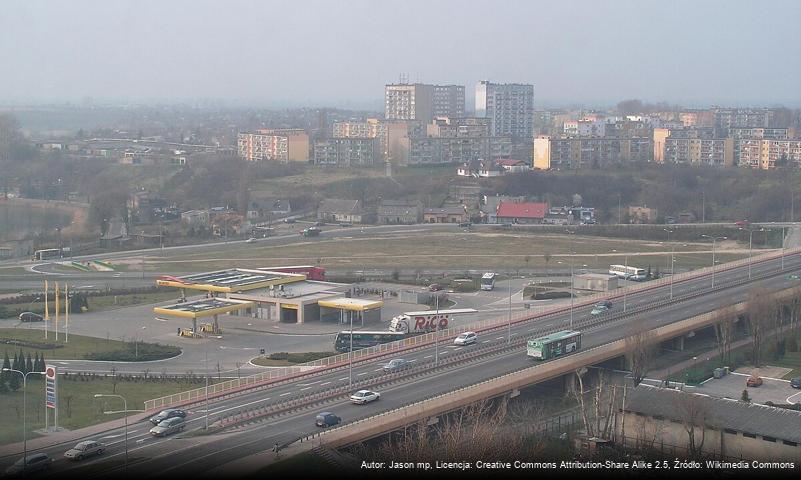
x: 231, y: 280
x: 522, y: 210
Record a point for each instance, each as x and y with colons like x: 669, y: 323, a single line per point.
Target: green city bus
x: 554, y: 345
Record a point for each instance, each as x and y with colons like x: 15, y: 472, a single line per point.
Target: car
x: 753, y: 381
x: 84, y: 449
x: 435, y: 287
x: 466, y: 224
x: 345, y: 224
x: 465, y: 338
x: 168, y: 426
x: 326, y: 419
x: 250, y: 240
x: 397, y: 364
x: 165, y: 414
x: 604, y: 303
x: 599, y: 310
x: 30, y: 317
x: 364, y: 396
x: 289, y: 220
x: 794, y: 276
x: 32, y: 463
x: 795, y: 382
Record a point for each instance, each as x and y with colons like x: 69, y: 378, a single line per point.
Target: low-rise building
x: 642, y: 214
x: 400, y: 212
x: 445, y: 215
x: 523, y: 212
x: 195, y: 218
x: 597, y: 282
x: 337, y: 210
x: 727, y: 428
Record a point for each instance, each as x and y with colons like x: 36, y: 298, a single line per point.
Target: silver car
x: 84, y: 449
x: 167, y: 427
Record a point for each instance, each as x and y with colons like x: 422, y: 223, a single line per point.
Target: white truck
x: 425, y: 321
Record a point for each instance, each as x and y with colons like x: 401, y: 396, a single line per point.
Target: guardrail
x: 419, y: 341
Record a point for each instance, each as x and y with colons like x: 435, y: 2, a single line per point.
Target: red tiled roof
x: 522, y: 210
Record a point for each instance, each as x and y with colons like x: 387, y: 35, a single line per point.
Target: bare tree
x: 694, y: 412
x: 638, y: 350
x: 724, y: 331
x: 762, y: 315
x: 600, y: 422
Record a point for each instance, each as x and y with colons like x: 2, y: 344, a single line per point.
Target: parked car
x: 167, y: 427
x: 435, y: 287
x: 795, y: 382
x: 30, y: 317
x: 465, y: 338
x: 32, y: 463
x: 327, y: 419
x: 289, y: 220
x: 604, y: 303
x: 466, y: 224
x: 250, y: 240
x: 165, y: 414
x: 364, y: 396
x: 397, y: 364
x: 599, y: 310
x: 84, y: 449
x: 753, y: 381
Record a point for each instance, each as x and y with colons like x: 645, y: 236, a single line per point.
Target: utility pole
x: 509, y: 336
x: 713, y: 255
x: 436, y: 334
x: 619, y: 218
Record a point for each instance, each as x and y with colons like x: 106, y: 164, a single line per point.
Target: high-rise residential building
x: 718, y: 152
x: 768, y: 153
x: 347, y: 152
x: 422, y: 102
x: 371, y: 128
x: 509, y: 107
x: 457, y: 140
x: 449, y: 101
x: 409, y: 101
x: 282, y: 145
x: 589, y: 152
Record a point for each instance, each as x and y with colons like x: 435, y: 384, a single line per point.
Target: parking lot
x: 731, y: 386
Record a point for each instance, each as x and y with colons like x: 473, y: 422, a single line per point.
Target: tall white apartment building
x: 509, y: 106
x: 423, y: 102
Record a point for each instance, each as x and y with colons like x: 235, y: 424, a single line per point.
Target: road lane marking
x: 326, y: 383
x: 284, y: 394
x: 306, y: 388
x: 343, y: 378
x: 485, y: 341
x: 363, y: 373
x: 428, y: 356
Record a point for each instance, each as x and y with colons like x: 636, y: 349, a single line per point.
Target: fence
x: 420, y: 341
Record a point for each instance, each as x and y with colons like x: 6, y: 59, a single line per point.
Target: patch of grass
x: 77, y: 405
x: 79, y: 346
x: 14, y: 271
x: 96, y: 303
x: 477, y: 250
x: 283, y: 359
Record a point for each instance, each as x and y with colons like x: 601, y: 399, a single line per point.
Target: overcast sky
x: 342, y: 52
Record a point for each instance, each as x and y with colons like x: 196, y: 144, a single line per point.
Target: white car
x: 250, y: 240
x: 465, y: 338
x: 364, y: 396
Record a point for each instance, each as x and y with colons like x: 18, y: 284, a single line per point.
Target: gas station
x: 271, y: 296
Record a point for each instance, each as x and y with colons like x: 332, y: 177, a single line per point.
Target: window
x: 729, y: 430
x: 768, y: 439
x: 788, y: 442
x: 749, y: 435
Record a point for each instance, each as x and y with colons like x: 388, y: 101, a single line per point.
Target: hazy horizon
x: 341, y: 54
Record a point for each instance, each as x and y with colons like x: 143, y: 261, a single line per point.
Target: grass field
x: 78, y: 347
x: 77, y: 405
x: 462, y: 250
x: 96, y: 304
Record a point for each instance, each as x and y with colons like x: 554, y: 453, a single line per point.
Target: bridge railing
x: 342, y: 359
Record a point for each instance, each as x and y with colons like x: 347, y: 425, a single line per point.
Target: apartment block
x: 449, y: 101
x: 660, y: 135
x: 371, y: 128
x: 282, y: 145
x: 347, y: 152
x: 509, y: 107
x: 726, y: 119
x: 409, y: 102
x: 577, y: 152
x: 768, y: 153
x: 761, y: 133
x: 457, y: 140
x: 699, y: 151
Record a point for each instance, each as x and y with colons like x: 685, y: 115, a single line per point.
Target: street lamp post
x: 572, y: 292
x: 668, y: 234
x: 509, y: 336
x: 24, y: 414
x: 350, y: 355
x: 125, y: 406
x: 436, y: 333
x: 713, y: 255
x: 750, y: 245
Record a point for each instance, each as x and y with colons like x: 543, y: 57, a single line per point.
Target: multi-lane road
x: 492, y: 357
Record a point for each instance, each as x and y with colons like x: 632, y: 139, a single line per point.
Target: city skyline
x: 583, y: 52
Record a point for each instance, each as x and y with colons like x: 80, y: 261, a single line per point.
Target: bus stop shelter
x: 204, y: 308
x: 357, y: 309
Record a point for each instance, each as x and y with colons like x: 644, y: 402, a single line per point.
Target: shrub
x: 744, y: 397
x: 132, y: 352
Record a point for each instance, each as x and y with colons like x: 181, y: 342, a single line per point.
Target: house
x: 336, y: 210
x: 489, y: 169
x: 445, y: 215
x: 524, y: 212
x: 723, y: 427
x: 513, y: 166
x: 266, y: 207
x: 400, y: 212
x: 642, y: 214
x: 468, y: 169
x: 489, y: 207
